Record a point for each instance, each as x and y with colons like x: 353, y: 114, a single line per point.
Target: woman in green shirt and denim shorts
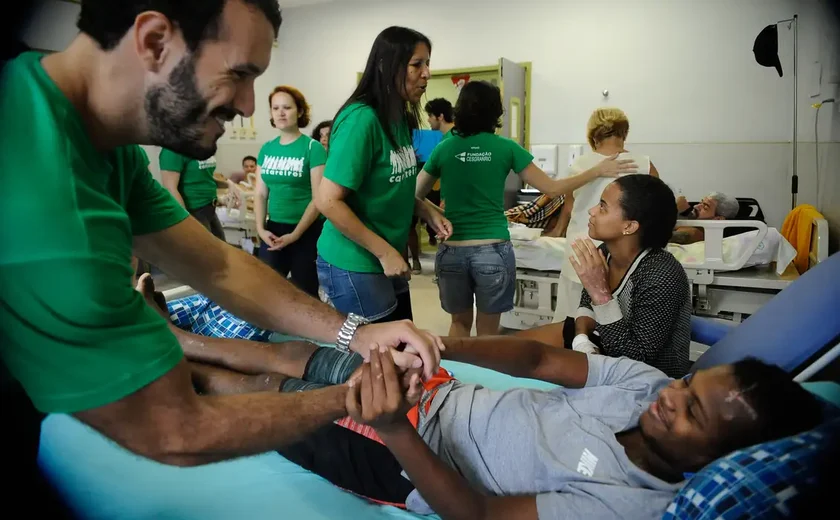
x: 367, y: 193
x: 476, y: 267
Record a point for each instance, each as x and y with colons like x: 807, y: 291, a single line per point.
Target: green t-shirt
x: 73, y: 330
x: 472, y: 172
x: 196, y: 184
x: 285, y: 171
x: 382, y: 180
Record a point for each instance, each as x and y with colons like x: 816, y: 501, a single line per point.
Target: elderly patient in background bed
x: 714, y: 206
x: 636, y: 299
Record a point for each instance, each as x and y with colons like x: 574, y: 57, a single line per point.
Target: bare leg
x: 461, y: 325
x: 212, y: 380
x: 551, y: 334
x: 487, y: 324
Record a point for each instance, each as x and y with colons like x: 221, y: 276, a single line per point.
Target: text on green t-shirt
x: 285, y: 170
x: 381, y: 177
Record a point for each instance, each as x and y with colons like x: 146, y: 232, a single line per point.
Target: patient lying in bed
x: 614, y: 441
x: 714, y: 206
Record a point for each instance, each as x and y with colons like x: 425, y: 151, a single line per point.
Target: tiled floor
x: 425, y: 302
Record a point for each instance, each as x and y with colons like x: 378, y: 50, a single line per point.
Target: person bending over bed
x: 636, y: 299
x: 615, y: 440
x: 714, y: 206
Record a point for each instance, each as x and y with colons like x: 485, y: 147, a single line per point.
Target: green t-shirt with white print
x: 472, y: 172
x: 381, y: 178
x: 285, y: 170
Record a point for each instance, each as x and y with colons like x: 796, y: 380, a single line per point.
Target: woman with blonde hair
x: 606, y: 132
x: 289, y: 167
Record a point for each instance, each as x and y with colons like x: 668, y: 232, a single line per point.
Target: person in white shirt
x: 606, y: 133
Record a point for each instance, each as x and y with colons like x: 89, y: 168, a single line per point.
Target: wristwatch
x: 348, y: 330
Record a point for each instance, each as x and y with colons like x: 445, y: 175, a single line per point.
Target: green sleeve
x: 317, y: 154
x: 171, y: 161
x: 352, y: 146
x: 432, y: 166
x: 150, y: 206
x: 521, y: 157
x: 77, y: 335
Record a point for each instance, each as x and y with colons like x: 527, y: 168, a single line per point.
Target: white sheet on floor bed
x: 547, y: 253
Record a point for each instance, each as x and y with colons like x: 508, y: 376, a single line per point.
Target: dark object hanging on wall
x: 766, y: 48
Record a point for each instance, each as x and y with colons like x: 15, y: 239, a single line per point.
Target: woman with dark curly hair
x: 636, y: 300
x: 476, y: 266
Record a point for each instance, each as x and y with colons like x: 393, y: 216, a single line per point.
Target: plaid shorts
x: 199, y: 315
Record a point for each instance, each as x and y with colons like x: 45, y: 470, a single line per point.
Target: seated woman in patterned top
x: 636, y: 299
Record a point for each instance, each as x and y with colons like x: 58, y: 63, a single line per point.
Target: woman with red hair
x: 289, y: 169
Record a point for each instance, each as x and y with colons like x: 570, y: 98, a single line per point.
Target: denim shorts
x: 371, y: 295
x: 486, y: 273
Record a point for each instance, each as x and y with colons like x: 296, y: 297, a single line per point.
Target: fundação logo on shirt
x: 474, y: 156
x: 403, y: 164
x: 283, y: 166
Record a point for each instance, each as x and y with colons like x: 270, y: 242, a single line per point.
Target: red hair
x: 300, y: 103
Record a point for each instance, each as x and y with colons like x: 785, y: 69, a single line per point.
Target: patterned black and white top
x: 649, y: 317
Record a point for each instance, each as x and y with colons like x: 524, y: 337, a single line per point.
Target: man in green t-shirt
x: 73, y: 331
x: 193, y: 185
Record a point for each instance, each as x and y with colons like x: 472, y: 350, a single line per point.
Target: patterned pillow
x: 768, y: 480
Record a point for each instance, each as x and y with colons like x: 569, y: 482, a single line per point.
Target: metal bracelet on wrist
x: 348, y: 331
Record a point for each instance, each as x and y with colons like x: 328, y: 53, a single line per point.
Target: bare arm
x: 447, y: 492
x: 686, y: 236
x: 168, y: 422
x: 562, y: 226
x: 311, y: 214
x: 247, y: 357
x: 237, y: 281
x: 250, y: 289
x: 260, y: 199
x: 330, y: 202
x: 425, y: 182
x: 521, y: 357
x: 170, y: 181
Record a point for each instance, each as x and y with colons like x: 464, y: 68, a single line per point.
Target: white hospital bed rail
x: 703, y: 273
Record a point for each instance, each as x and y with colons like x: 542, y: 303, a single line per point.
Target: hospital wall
x: 708, y: 115
x: 683, y: 70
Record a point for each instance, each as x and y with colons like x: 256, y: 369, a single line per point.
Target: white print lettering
x: 474, y: 157
x: 282, y: 166
x: 587, y: 463
x: 403, y: 164
x: 207, y: 164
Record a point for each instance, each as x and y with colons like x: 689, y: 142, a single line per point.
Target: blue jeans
x: 371, y: 295
x: 486, y: 273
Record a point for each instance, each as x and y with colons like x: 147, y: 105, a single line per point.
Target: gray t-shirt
x: 559, y: 445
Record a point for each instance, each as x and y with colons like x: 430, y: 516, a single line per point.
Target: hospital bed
x: 797, y: 330
x: 731, y: 276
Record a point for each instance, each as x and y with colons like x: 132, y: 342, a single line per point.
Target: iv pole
x: 794, y: 181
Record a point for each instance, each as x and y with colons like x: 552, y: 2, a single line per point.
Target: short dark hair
x: 107, y: 21
x: 479, y: 109
x: 300, y: 103
x: 316, y: 132
x: 440, y: 107
x: 384, y: 78
x: 249, y: 158
x: 782, y: 406
x: 650, y: 202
